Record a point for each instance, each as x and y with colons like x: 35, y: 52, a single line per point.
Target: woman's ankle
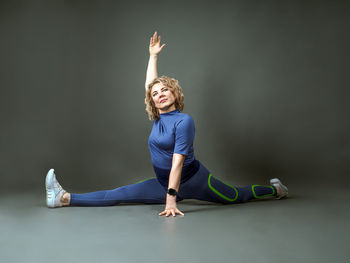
x: 65, y: 199
x: 278, y: 190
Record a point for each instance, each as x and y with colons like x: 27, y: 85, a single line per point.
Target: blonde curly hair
x: 174, y: 87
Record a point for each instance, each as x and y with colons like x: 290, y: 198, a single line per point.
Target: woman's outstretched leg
x: 204, y: 186
x: 147, y: 191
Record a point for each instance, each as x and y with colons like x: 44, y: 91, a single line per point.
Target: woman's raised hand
x: 154, y: 45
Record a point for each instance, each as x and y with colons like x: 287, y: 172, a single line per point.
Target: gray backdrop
x: 265, y: 81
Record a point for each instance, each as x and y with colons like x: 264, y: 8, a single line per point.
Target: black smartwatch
x: 172, y: 191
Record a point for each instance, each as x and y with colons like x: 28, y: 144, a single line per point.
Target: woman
x: 179, y: 175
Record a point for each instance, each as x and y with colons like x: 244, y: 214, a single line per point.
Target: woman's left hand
x: 171, y: 208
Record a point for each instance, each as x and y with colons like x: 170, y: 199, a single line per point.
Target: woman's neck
x: 170, y: 108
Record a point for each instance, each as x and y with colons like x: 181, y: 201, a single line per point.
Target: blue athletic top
x: 172, y: 133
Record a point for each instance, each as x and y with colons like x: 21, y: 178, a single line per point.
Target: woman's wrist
x: 171, y: 197
x: 153, y: 55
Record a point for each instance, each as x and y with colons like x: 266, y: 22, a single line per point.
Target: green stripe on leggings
x: 220, y: 194
x: 145, y: 180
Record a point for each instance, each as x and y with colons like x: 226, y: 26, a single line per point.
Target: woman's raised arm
x: 154, y: 50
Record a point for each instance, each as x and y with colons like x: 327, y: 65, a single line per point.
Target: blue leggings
x: 201, y: 186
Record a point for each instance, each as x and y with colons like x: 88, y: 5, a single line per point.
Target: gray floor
x: 310, y: 226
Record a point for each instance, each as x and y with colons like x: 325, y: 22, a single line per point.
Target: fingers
x: 154, y: 39
x: 168, y: 212
x: 178, y: 211
x: 152, y: 42
x: 157, y: 40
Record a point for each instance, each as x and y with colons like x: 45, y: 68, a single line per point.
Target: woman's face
x: 163, y: 98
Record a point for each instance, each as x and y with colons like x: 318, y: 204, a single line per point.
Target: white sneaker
x: 54, y: 190
x: 278, y: 184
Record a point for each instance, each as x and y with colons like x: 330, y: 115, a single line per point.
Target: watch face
x: 171, y: 191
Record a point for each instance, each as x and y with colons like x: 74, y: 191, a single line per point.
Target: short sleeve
x: 184, y: 135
